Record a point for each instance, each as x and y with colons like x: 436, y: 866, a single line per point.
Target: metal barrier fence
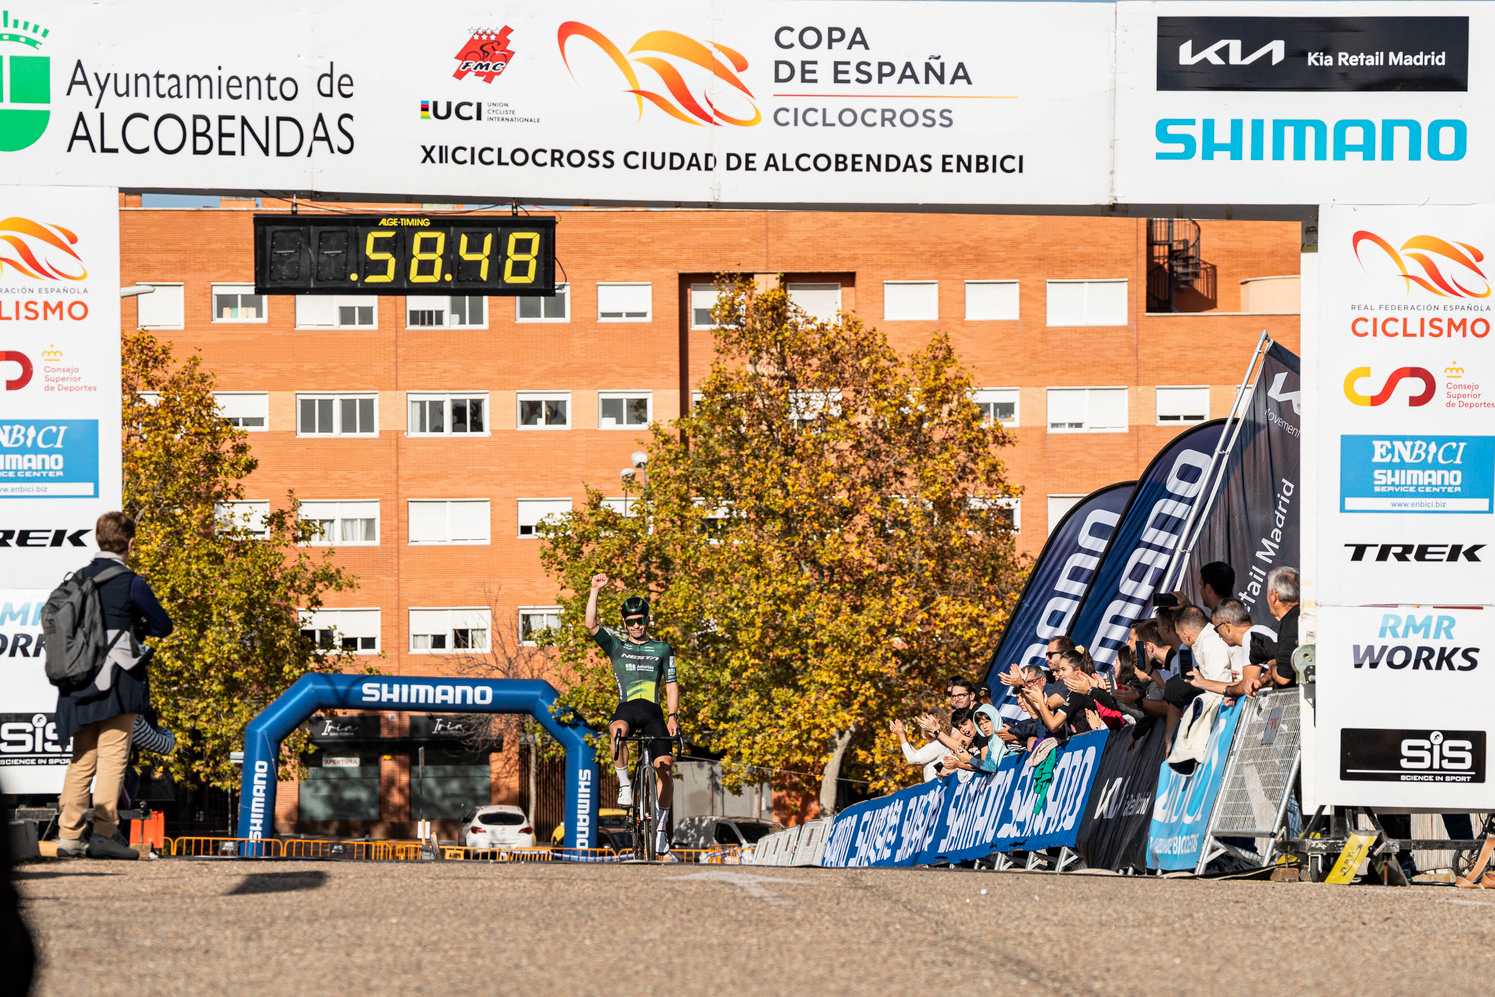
x: 1258, y: 780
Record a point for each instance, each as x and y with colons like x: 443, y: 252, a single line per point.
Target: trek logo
x: 1428, y: 657
x: 44, y: 537
x: 1234, y: 52
x: 1436, y: 756
x: 31, y: 739
x: 1419, y: 374
x: 1415, y: 553
x: 22, y: 376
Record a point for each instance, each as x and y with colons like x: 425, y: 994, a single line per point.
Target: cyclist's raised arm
x: 598, y: 581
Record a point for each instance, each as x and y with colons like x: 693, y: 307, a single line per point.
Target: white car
x: 497, y: 826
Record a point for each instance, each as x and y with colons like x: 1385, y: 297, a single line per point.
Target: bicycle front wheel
x: 645, y: 796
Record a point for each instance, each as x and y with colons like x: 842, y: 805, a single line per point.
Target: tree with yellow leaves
x: 822, y: 538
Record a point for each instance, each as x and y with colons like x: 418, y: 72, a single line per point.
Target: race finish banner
x: 1252, y: 525
x: 1113, y: 834
x: 1405, y: 507
x: 1142, y: 547
x: 1059, y: 580
x: 59, y: 436
x: 1181, y: 816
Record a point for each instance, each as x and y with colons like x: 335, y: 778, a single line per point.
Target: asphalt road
x: 192, y: 927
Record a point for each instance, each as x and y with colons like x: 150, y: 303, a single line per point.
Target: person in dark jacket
x: 100, y: 716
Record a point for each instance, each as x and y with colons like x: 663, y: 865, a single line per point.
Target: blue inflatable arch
x: 449, y: 695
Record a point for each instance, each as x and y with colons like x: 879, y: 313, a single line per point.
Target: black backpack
x: 77, y: 643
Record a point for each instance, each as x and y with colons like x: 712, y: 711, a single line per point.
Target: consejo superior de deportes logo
x: 670, y: 55
x: 1438, y: 266
x: 1421, y: 375
x: 25, y: 83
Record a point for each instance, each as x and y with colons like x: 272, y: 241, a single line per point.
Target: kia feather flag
x: 1151, y: 530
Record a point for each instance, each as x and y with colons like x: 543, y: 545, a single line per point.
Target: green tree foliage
x: 820, y: 539
x: 234, y: 598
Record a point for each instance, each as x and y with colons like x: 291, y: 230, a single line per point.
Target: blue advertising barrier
x: 969, y: 815
x: 373, y: 692
x: 1181, y: 815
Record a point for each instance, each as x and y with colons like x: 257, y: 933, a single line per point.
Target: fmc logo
x: 486, y: 55
x: 25, y: 83
x: 1446, y: 269
x: 666, y: 54
x: 1420, y: 374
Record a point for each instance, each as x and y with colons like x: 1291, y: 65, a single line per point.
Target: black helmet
x: 636, y: 605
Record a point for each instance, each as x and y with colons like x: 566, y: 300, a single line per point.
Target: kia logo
x: 1234, y: 53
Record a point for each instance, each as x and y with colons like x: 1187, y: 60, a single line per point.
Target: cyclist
x: 640, y: 665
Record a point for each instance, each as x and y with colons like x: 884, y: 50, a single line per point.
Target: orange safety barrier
x: 204, y: 846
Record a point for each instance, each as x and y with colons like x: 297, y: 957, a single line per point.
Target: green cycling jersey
x: 641, y: 670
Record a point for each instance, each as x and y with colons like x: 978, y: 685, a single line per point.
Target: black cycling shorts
x: 644, y: 717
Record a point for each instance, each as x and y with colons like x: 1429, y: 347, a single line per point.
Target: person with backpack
x: 93, y: 624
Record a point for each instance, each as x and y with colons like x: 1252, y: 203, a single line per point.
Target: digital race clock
x: 403, y: 254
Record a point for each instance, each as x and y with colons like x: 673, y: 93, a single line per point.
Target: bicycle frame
x: 643, y: 814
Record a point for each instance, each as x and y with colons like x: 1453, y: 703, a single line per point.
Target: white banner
x: 32, y: 759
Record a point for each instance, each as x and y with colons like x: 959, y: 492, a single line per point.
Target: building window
x: 237, y: 303
x: 548, y: 308
x: 544, y: 410
x: 450, y: 521
x: 336, y: 311
x: 1087, y: 302
x: 337, y: 415
x: 246, y: 409
x: 534, y: 620
x: 355, y: 630
x: 622, y: 505
x: 456, y: 312
x: 991, y: 300
x: 1087, y: 410
x: 163, y: 308
x: 910, y: 300
x: 248, y: 515
x: 1059, y: 506
x: 805, y: 407
x: 624, y: 409
x: 445, y: 631
x: 342, y: 523
x: 702, y: 301
x: 534, y: 511
x: 1182, y: 405
x: 625, y: 302
x: 822, y: 302
x: 1009, y: 510
x: 448, y: 415
x: 997, y: 405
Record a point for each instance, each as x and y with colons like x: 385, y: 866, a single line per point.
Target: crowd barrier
x: 802, y: 845
x: 1110, y: 802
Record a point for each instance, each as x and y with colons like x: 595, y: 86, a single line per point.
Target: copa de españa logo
x: 1440, y: 267
x: 39, y: 252
x: 699, y: 80
x: 25, y: 83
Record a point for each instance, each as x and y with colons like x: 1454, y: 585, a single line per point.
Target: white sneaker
x: 625, y: 795
x: 662, y: 847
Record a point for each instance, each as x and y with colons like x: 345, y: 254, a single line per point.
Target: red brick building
x: 430, y: 434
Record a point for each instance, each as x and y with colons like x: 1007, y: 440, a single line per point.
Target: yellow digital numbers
x: 419, y: 253
x: 373, y: 253
x: 481, y: 256
x: 513, y: 255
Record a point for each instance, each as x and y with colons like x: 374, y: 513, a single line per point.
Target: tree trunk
x: 832, y: 772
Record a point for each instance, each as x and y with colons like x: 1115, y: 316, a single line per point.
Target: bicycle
x: 642, y: 813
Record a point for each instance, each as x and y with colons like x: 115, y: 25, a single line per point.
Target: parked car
x: 497, y: 826
x: 610, y: 823
x: 712, y: 832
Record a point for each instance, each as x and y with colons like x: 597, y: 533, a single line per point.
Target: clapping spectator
x: 927, y: 755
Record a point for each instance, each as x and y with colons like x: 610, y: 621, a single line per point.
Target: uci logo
x: 25, y: 99
x: 1419, y: 374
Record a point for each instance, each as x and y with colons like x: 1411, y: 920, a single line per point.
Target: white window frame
x: 1125, y: 408
x: 244, y: 513
x: 310, y: 618
x: 264, y: 396
x: 690, y: 305
x: 541, y: 396
x: 566, y: 296
x: 984, y: 396
x: 352, y: 300
x: 1015, y: 503
x: 447, y: 397
x: 933, y: 284
x: 446, y: 326
x: 806, y: 407
x: 324, y: 540
x: 624, y: 394
x: 337, y: 398
x: 215, y: 289
x: 1089, y: 322
x: 519, y: 523
x: 623, y: 505
x: 535, y: 610
x: 1157, y: 407
x: 486, y: 540
x: 817, y: 285
x: 1015, y: 285
x: 450, y: 630
x: 179, y: 292
x: 649, y: 313
x: 1074, y: 500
